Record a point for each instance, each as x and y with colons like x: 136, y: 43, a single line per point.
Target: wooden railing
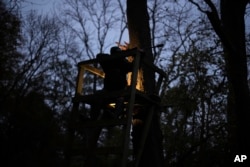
x: 90, y: 66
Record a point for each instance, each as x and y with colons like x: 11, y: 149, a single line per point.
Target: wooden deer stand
x: 131, y: 95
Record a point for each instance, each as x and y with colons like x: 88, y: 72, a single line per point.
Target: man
x: 115, y: 75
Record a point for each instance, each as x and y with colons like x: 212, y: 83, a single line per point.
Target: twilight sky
x: 42, y: 6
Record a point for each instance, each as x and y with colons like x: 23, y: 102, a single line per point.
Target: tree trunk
x: 139, y: 34
x: 233, y: 26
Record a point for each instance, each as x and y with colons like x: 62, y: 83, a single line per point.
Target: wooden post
x: 79, y: 86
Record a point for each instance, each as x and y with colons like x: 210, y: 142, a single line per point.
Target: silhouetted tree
x: 28, y: 127
x: 9, y: 41
x: 229, y: 24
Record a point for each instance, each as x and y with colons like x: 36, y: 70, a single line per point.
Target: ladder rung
x: 109, y: 150
x: 104, y: 123
x: 99, y: 151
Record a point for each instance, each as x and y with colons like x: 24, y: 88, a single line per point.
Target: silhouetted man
x: 115, y: 75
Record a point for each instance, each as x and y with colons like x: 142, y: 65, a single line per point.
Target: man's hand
x: 124, y: 46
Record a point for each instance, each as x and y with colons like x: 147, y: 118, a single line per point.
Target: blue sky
x: 42, y: 6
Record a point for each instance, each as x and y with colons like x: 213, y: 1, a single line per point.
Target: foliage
x: 38, y: 61
x: 30, y: 133
x: 197, y: 114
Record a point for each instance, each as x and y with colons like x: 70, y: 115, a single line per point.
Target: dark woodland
x: 196, y: 81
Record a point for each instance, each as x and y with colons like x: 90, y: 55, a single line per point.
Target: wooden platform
x: 103, y: 97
